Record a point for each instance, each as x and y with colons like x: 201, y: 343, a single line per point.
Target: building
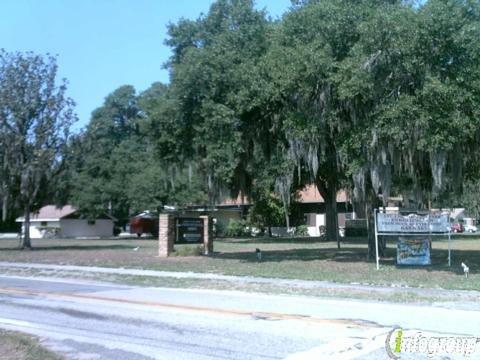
x: 311, y: 204
x: 226, y: 210
x: 66, y: 222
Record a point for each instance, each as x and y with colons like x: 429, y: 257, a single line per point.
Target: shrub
x: 356, y: 228
x: 236, y: 228
x: 301, y: 230
x: 266, y: 211
x: 218, y: 229
x: 188, y: 250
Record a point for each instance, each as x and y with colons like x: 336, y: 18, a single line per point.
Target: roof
x: 54, y: 213
x: 240, y: 200
x: 309, y: 194
x: 50, y: 213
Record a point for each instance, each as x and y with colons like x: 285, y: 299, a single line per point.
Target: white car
x: 470, y: 228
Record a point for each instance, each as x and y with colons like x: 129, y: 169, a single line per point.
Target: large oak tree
x: 35, y: 118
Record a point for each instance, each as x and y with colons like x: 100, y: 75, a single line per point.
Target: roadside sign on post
x: 414, y: 231
x: 412, y: 223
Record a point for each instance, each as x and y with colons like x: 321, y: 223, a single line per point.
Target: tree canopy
x: 35, y: 118
x: 376, y: 97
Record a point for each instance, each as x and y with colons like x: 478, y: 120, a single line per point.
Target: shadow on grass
x: 271, y: 240
x: 359, y: 255
x: 290, y: 240
x: 343, y: 255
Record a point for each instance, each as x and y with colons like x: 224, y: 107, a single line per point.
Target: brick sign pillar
x: 166, y: 235
x: 207, y: 235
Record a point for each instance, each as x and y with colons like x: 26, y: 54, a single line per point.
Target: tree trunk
x: 329, y: 194
x: 359, y: 208
x: 26, y: 231
x: 331, y: 219
x: 4, y: 207
x: 287, y: 220
x: 287, y: 216
x: 5, y: 190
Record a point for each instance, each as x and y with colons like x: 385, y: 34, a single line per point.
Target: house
x: 311, y: 204
x: 66, y: 222
x: 226, y: 210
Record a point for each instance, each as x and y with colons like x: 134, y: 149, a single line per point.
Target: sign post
x: 376, y: 240
x: 449, y: 255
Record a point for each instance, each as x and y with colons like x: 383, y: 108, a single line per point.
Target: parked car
x: 457, y: 228
x: 144, y: 223
x: 470, y: 228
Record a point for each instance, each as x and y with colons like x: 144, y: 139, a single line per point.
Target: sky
x: 102, y: 44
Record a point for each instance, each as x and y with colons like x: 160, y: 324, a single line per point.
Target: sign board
x: 189, y: 230
x: 412, y: 223
x: 413, y: 251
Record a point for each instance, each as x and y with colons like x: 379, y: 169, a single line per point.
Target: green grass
x: 188, y: 250
x: 17, y: 346
x: 305, y: 259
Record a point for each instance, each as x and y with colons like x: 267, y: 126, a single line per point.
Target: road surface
x: 89, y: 320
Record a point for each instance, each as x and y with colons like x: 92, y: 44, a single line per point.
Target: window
x: 91, y: 222
x: 43, y: 223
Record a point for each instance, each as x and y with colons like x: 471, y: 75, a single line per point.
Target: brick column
x: 166, y: 235
x: 207, y: 235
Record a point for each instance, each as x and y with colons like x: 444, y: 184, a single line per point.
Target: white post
x: 376, y: 239
x: 430, y: 232
x: 449, y: 255
x: 449, y: 238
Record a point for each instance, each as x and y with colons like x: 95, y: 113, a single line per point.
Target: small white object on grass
x: 466, y: 270
x: 136, y: 249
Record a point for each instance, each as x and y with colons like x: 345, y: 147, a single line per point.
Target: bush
x: 188, y: 250
x: 301, y: 230
x: 236, y: 228
x: 266, y: 211
x: 218, y: 229
x: 10, y: 226
x: 356, y: 228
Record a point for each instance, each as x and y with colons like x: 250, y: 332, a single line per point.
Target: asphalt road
x: 87, y: 320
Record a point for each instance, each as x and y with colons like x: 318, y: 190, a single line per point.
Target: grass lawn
x: 306, y: 259
x: 17, y: 346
